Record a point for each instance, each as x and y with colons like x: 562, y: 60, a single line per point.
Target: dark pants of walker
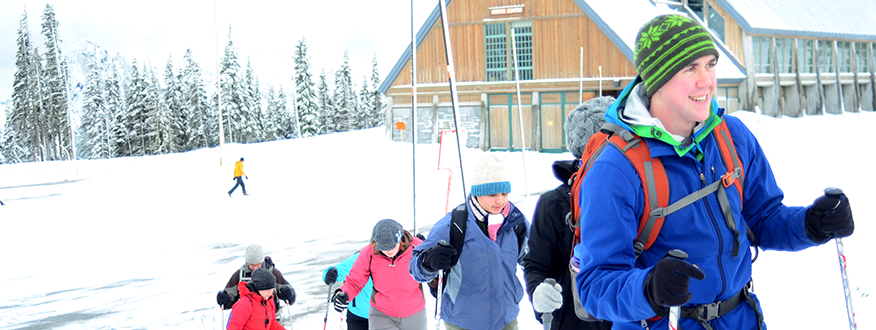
x: 356, y: 322
x: 239, y: 183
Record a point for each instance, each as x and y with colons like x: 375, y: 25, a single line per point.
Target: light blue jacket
x: 612, y: 280
x: 362, y: 303
x: 483, y: 291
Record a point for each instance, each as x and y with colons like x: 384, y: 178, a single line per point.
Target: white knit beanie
x: 490, y: 176
x: 254, y: 254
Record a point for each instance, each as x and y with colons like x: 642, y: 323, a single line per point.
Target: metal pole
x: 520, y: 112
x: 581, y: 77
x: 600, y: 81
x: 451, y: 76
x: 841, y: 254
x: 414, y: 114
x: 218, y: 79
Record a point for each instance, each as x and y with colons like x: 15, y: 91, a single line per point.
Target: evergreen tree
x: 198, y: 130
x: 10, y: 151
x: 305, y: 105
x: 376, y: 108
x: 232, y: 102
x: 24, y: 127
x: 135, y: 112
x: 271, y: 121
x: 55, y: 78
x: 173, y: 103
x: 253, y: 131
x: 115, y: 110
x: 95, y: 138
x: 363, y: 112
x: 345, y: 107
x: 158, y: 133
x: 288, y: 120
x: 326, y: 106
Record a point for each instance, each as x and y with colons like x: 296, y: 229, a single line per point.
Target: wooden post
x: 748, y: 95
x: 872, y: 59
x: 853, y: 60
x: 816, y: 59
x: 797, y: 70
x: 839, y: 84
x: 774, y: 110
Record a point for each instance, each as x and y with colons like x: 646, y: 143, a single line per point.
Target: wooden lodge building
x: 785, y: 57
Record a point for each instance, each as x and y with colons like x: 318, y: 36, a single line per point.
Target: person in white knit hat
x: 482, y: 289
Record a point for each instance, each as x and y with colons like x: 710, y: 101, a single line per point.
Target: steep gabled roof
x: 406, y: 55
x: 843, y: 19
x: 622, y: 25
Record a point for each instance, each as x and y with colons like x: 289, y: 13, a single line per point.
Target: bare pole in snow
x: 520, y: 112
x: 451, y: 77
x: 414, y: 113
x: 218, y: 87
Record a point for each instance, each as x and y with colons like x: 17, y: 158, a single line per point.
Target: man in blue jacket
x: 671, y: 106
x: 483, y: 291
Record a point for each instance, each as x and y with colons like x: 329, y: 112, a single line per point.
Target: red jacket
x: 253, y: 312
x: 396, y: 293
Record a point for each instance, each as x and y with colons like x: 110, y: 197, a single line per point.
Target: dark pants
x: 356, y: 322
x: 239, y: 183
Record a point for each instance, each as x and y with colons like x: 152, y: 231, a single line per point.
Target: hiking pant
x: 239, y: 183
x: 509, y: 326
x: 379, y: 321
x: 356, y: 322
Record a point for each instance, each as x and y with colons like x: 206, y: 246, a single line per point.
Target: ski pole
x: 328, y: 305
x: 440, y: 292
x: 840, y: 251
x: 675, y: 311
x: 548, y: 318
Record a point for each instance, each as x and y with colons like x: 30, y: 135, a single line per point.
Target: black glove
x: 421, y: 236
x: 341, y: 300
x: 287, y: 293
x: 829, y: 217
x: 224, y: 300
x: 437, y: 257
x: 331, y: 276
x: 667, y: 284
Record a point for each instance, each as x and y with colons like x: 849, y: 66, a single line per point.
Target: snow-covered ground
x: 146, y: 242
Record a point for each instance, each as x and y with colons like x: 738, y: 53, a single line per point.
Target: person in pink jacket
x: 397, y: 301
x: 255, y: 309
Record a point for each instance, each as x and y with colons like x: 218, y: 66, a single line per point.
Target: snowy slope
x: 146, y: 242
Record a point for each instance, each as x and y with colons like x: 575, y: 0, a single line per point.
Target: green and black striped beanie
x: 667, y: 44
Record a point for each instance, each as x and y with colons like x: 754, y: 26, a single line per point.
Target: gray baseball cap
x: 387, y: 233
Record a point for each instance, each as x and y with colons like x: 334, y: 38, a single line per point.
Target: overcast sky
x: 264, y: 31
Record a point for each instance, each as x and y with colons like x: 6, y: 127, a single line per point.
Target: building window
x: 715, y: 21
x: 784, y: 46
x: 844, y: 51
x: 861, y: 62
x: 825, y: 56
x: 523, y: 41
x: 496, y: 56
x: 762, y: 58
x: 804, y: 54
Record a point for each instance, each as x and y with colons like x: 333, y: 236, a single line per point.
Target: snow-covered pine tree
x: 233, y: 101
x: 10, y: 151
x: 288, y: 120
x: 344, y: 99
x: 326, y: 106
x: 95, y: 132
x: 23, y: 123
x: 55, y: 78
x: 271, y: 121
x: 135, y: 112
x: 114, y: 107
x: 254, y: 129
x: 376, y: 110
x: 362, y: 112
x: 195, y: 104
x: 305, y: 105
x: 159, y: 134
x: 173, y: 103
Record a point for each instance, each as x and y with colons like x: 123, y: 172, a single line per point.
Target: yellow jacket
x: 238, y: 169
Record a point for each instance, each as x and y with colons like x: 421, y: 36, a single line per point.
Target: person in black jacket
x: 550, y: 238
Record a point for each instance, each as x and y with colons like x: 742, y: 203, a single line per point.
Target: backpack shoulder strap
x: 458, y: 225
x: 520, y: 230
x: 729, y: 155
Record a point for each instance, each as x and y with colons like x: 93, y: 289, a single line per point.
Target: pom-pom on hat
x: 490, y: 176
x: 387, y: 233
x: 262, y: 279
x: 667, y: 44
x: 585, y: 121
x: 255, y: 254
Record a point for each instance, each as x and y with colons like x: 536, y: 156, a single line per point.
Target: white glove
x: 546, y: 298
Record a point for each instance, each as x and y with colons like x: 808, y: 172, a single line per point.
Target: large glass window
x: 861, y: 62
x: 715, y: 21
x: 523, y: 41
x: 762, y: 58
x: 784, y: 47
x: 804, y: 54
x: 496, y: 54
x: 825, y: 56
x: 844, y: 51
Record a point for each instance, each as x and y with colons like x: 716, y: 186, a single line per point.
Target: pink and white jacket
x: 396, y: 293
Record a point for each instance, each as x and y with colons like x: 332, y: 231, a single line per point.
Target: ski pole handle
x: 675, y: 311
x: 548, y: 318
x: 840, y: 251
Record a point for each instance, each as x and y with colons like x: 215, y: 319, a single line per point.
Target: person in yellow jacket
x: 239, y: 175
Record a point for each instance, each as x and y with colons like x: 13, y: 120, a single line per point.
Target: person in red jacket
x: 397, y: 301
x: 256, y: 308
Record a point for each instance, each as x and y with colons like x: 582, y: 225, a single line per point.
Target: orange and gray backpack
x: 656, y: 188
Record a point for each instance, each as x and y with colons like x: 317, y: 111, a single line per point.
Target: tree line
x: 141, y: 113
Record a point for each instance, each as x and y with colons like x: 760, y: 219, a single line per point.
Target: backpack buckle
x: 730, y: 177
x: 709, y: 311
